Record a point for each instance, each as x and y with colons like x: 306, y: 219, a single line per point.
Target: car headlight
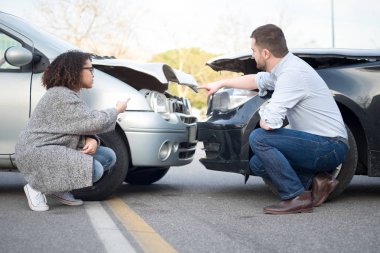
x: 187, y: 105
x: 157, y: 101
x: 227, y: 99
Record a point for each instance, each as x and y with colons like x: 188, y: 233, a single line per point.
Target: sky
x: 224, y: 26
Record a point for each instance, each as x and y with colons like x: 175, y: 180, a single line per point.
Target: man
x: 298, y: 158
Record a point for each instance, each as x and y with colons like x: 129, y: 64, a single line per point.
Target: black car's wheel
x: 145, y: 176
x: 346, y: 171
x: 112, y: 178
x: 343, y: 173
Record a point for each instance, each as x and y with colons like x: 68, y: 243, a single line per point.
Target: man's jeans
x: 290, y: 158
x: 104, y: 158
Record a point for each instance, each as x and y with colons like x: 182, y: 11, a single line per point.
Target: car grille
x: 186, y: 150
x: 188, y: 119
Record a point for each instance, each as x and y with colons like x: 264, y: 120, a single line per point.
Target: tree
x: 191, y: 61
x: 93, y: 25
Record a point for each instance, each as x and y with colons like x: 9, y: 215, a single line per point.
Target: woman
x: 58, y: 151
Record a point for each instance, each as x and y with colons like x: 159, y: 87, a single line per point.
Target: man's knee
x: 256, y: 137
x: 257, y: 167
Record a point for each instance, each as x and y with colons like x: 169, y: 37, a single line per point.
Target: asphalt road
x: 191, y: 210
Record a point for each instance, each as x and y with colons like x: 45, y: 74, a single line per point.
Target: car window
x: 5, y: 43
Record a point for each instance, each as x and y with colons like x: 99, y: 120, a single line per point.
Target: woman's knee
x: 108, y: 157
x: 112, y: 158
x: 97, y: 171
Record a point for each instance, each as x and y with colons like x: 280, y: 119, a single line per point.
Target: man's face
x: 257, y: 55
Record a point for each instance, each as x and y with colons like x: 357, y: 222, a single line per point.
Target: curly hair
x: 271, y: 37
x: 65, y: 70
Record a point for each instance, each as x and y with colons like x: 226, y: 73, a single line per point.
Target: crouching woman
x: 58, y: 150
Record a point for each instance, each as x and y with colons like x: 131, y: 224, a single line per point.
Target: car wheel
x: 112, y: 178
x: 344, y: 172
x: 145, y: 176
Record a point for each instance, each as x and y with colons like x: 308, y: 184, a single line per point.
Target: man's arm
x: 247, y: 82
x: 264, y: 125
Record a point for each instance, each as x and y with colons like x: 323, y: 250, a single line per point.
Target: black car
x: 353, y: 77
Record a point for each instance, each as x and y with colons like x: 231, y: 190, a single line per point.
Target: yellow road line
x: 148, y: 239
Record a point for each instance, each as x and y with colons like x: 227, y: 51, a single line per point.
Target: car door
x: 15, y: 84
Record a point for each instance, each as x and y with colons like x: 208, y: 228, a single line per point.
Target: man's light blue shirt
x: 302, y: 96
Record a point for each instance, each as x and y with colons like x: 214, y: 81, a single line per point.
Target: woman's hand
x: 121, y: 106
x: 90, y: 146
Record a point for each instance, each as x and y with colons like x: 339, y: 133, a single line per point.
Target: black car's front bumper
x: 225, y: 137
x: 223, y: 145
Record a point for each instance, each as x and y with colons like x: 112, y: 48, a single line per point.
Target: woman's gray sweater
x: 47, y: 151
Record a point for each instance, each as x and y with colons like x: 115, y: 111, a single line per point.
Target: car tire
x: 145, y: 176
x: 344, y: 173
x: 112, y: 178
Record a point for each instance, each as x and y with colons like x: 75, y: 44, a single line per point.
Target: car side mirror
x: 18, y: 56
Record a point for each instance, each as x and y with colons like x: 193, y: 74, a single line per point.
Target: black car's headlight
x: 227, y: 99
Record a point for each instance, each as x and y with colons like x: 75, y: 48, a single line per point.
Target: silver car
x: 157, y: 130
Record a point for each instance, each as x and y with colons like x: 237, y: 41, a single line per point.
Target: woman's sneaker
x: 67, y: 198
x: 36, y: 200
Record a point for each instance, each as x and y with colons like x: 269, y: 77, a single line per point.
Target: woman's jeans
x: 290, y: 158
x: 104, y: 158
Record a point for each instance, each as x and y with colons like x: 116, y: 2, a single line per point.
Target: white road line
x: 112, y: 239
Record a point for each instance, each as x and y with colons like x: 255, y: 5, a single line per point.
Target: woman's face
x: 87, y: 76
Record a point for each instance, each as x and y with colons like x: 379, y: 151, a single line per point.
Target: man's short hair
x: 272, y: 38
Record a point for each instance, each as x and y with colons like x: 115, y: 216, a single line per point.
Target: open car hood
x: 142, y: 75
x: 317, y: 58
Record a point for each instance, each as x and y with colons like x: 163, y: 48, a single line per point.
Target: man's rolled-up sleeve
x: 265, y: 81
x: 287, y: 94
x: 273, y: 118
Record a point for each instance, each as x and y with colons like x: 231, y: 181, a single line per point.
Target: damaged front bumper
x: 225, y: 136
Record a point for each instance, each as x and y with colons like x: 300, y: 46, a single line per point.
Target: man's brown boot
x: 323, y: 184
x: 301, y: 204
